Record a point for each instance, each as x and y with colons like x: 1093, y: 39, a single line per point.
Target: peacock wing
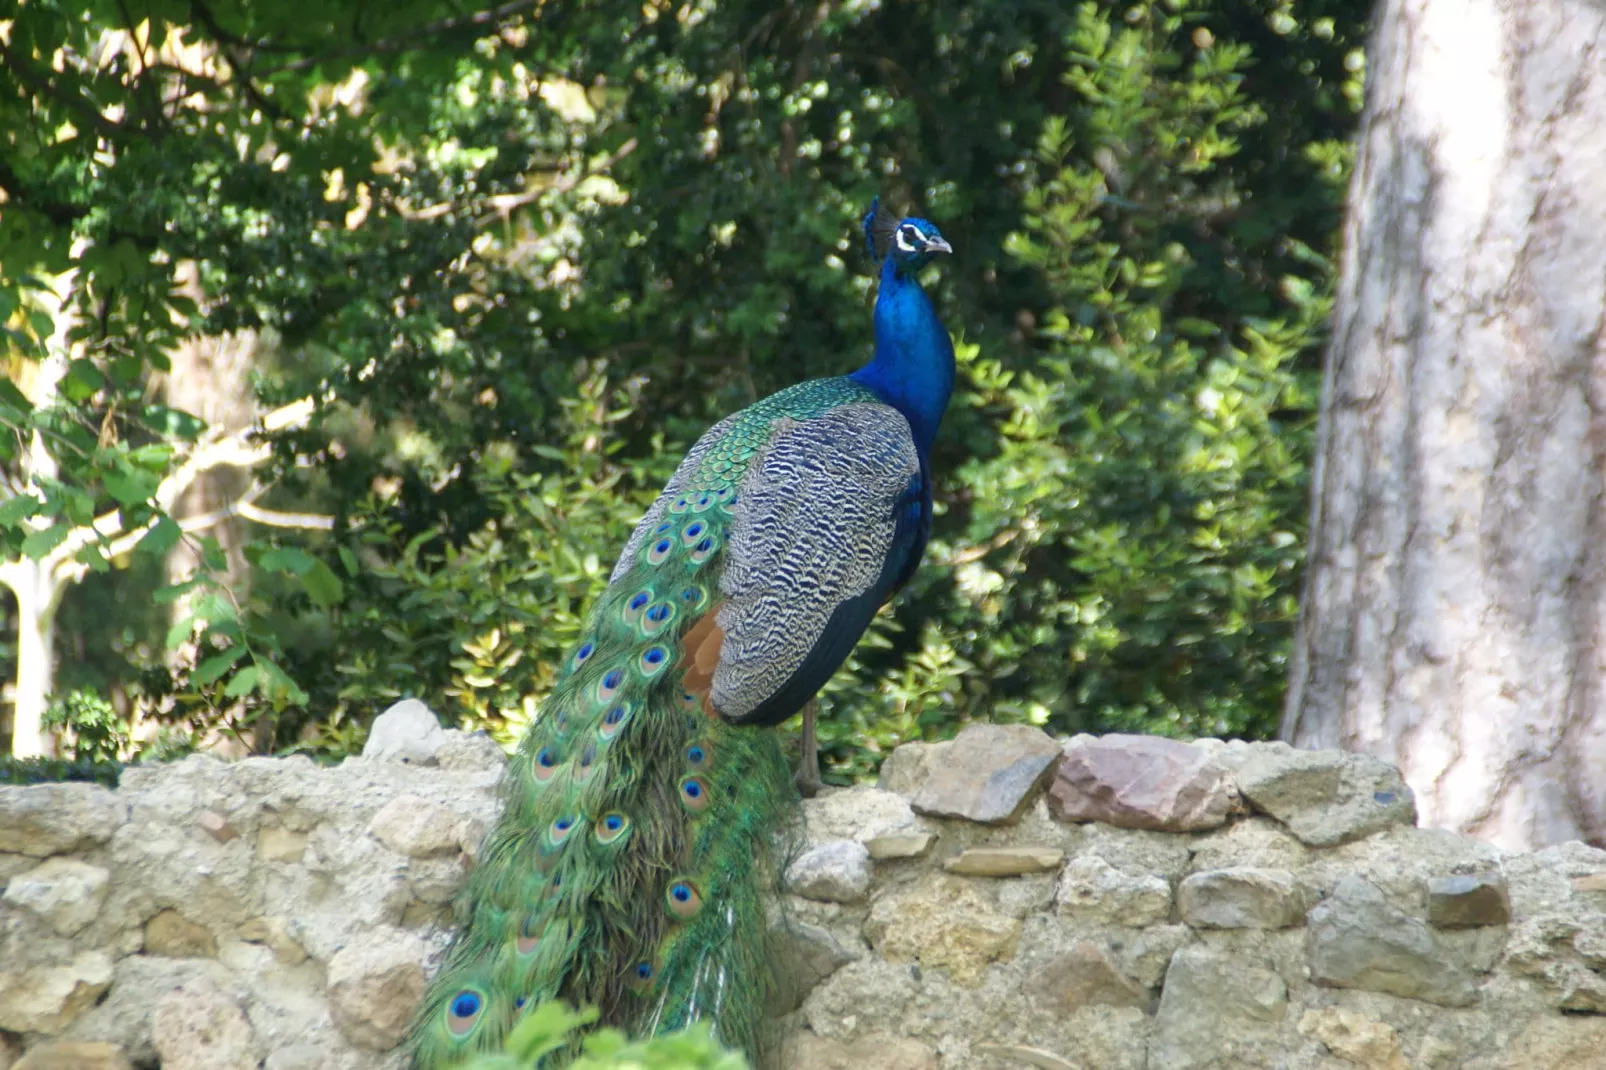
x: 826, y: 516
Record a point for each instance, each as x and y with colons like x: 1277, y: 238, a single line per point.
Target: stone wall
x: 1004, y: 900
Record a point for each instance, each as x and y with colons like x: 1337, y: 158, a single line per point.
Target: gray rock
x: 470, y: 752
x: 837, y: 871
x: 198, y: 1027
x: 375, y: 985
x: 899, y: 845
x: 408, y: 731
x: 124, y: 1015
x: 860, y: 813
x: 41, y: 820
x: 1141, y: 782
x: 907, y: 767
x: 1004, y: 861
x: 1092, y: 890
x: 804, y: 955
x: 1243, y: 898
x: 1465, y: 901
x: 1356, y: 939
x: 991, y: 775
x: 65, y: 892
x: 1214, y: 1007
x: 45, y: 999
x: 1323, y: 797
x: 1085, y: 976
x: 419, y: 828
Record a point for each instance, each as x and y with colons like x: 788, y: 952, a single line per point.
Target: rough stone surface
x: 1141, y: 950
x: 1085, y: 976
x: 1141, y: 782
x: 375, y: 984
x: 1005, y: 861
x: 198, y: 1027
x: 837, y: 871
x: 174, y: 936
x: 805, y: 956
x: 906, y: 769
x: 51, y: 819
x: 1243, y: 898
x: 74, y: 1055
x: 65, y: 892
x: 1350, y: 1035
x: 990, y: 776
x: 810, y: 1052
x: 942, y: 923
x: 1465, y: 901
x: 1215, y: 1008
x: 1356, y: 939
x: 408, y: 731
x: 46, y: 998
x: 899, y: 845
x: 1091, y: 889
x: 470, y: 752
x: 419, y: 828
x: 1325, y: 798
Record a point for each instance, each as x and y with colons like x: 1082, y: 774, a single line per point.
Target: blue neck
x: 913, y: 366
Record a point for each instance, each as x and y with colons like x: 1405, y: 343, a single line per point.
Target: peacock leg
x: 808, y: 778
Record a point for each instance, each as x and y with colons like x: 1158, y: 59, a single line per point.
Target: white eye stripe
x: 905, y: 232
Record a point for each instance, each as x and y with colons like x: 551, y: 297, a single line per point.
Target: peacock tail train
x: 646, y: 805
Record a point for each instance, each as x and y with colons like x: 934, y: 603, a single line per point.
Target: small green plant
x: 95, y: 731
x: 551, y: 1026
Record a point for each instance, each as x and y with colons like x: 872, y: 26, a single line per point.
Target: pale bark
x: 1456, y: 602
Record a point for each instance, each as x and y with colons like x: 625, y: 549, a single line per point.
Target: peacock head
x: 908, y: 242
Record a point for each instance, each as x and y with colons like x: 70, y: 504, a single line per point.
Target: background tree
x: 1452, y: 622
x: 518, y: 259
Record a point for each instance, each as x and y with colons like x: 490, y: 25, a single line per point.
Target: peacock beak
x: 937, y: 245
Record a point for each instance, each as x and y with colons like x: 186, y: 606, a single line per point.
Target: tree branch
x: 44, y: 87
x: 235, y: 449
x: 402, y: 41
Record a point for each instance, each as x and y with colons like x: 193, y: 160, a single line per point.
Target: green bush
x: 551, y: 1026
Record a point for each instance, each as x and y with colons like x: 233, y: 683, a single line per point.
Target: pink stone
x: 1141, y: 782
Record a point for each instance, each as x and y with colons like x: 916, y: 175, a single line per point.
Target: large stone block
x: 1215, y: 1008
x: 65, y: 892
x: 1325, y: 798
x: 991, y: 775
x: 46, y: 998
x: 51, y: 819
x: 1356, y: 939
x: 1243, y: 898
x: 1141, y: 782
x: 198, y: 1027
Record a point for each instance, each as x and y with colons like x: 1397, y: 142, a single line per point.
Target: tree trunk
x: 1454, y: 619
x: 38, y: 597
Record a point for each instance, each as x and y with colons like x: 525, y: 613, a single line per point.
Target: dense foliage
x: 519, y: 259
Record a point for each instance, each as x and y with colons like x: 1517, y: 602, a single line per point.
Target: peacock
x: 630, y: 868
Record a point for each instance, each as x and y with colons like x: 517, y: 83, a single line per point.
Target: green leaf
x: 130, y: 486
x: 82, y: 380
x: 287, y: 559
x: 242, y: 682
x: 14, y: 511
x: 39, y: 543
x: 216, y: 665
x: 322, y: 585
x: 179, y: 633
x: 161, y: 537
